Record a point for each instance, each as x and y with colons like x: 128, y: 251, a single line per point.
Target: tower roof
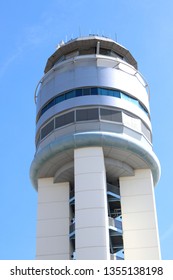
x: 89, y: 42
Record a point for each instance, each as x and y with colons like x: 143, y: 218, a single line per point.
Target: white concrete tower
x: 94, y: 166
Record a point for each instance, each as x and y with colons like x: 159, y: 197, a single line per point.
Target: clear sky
x: 30, y: 32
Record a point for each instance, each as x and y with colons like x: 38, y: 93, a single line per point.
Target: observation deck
x: 92, y: 94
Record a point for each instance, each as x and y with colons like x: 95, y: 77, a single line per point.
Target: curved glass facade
x: 90, y: 91
x: 89, y: 114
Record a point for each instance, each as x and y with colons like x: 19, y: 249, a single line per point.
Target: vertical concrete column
x: 140, y: 232
x: 91, y: 215
x: 53, y: 220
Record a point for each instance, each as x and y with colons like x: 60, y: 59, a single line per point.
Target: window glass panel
x: 59, y: 121
x: 47, y: 129
x: 87, y: 114
x: 114, y: 54
x: 105, y: 51
x: 143, y: 108
x: 70, y: 94
x: 111, y: 115
x: 69, y: 117
x: 78, y: 92
x: 64, y: 119
x: 102, y: 91
x: 105, y: 114
x: 50, y: 104
x: 116, y: 116
x: 42, y: 112
x: 146, y: 131
x: 116, y: 93
x: 94, y: 91
x: 91, y: 91
x: 129, y: 98
x: 87, y: 51
x: 59, y: 98
x: 86, y: 91
x: 110, y: 93
x: 81, y: 115
x: 93, y: 114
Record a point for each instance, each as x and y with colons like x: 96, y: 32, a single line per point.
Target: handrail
x: 134, y: 74
x: 114, y: 222
x: 35, y: 92
x: 119, y: 62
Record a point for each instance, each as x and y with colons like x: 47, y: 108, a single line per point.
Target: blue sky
x: 30, y: 32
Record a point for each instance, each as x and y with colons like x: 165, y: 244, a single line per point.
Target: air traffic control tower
x: 94, y: 167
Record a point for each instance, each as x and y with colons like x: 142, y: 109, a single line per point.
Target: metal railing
x: 115, y: 223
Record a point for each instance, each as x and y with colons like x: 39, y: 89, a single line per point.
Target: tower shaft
x: 94, y: 166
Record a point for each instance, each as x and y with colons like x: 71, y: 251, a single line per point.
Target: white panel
x: 88, y: 152
x: 53, y: 210
x: 96, y: 253
x: 53, y: 245
x: 49, y: 192
x: 140, y: 220
x: 139, y: 184
x: 140, y: 238
x: 144, y: 254
x: 53, y: 220
x: 53, y: 257
x: 52, y: 227
x: 45, y: 183
x: 91, y: 216
x: 89, y: 199
x: 140, y: 232
x: 91, y: 182
x: 138, y: 203
x: 94, y: 166
x: 94, y: 237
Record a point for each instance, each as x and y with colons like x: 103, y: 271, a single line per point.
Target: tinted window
x: 111, y: 115
x: 64, y: 119
x: 93, y: 114
x: 70, y: 94
x: 94, y: 91
x: 90, y: 91
x: 86, y: 91
x: 81, y: 115
x: 87, y: 114
x: 59, y: 98
x: 47, y: 129
x: 78, y: 92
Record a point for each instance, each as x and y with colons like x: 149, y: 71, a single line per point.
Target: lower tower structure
x: 94, y: 166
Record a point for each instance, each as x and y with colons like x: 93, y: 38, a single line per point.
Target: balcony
x: 115, y: 224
